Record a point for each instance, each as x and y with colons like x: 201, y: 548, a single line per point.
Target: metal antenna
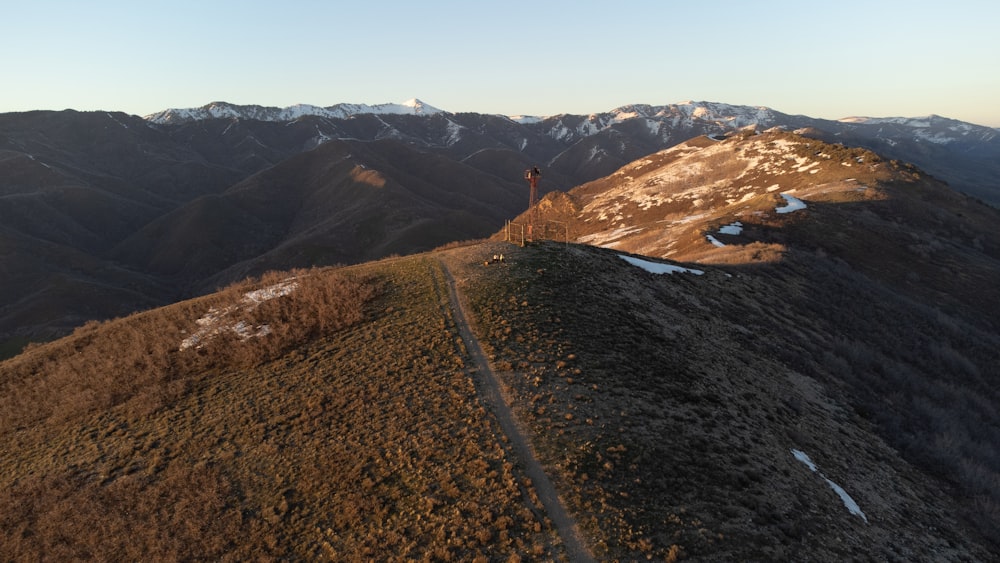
x: 532, y: 175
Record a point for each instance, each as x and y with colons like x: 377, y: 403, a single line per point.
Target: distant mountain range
x: 965, y: 155
x: 223, y: 110
x: 103, y: 213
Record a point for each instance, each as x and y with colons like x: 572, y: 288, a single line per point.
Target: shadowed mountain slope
x: 344, y: 202
x: 762, y: 411
x: 73, y: 186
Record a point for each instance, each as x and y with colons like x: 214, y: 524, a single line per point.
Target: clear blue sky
x: 829, y: 59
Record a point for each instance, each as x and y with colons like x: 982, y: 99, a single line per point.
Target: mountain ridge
x: 415, y: 106
x: 730, y: 415
x: 975, y: 148
x: 226, y: 110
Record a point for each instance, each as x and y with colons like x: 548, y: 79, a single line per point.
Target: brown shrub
x: 72, y: 516
x: 105, y: 364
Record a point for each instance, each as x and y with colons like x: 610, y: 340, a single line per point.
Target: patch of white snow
x: 271, y: 292
x: 526, y: 119
x: 658, y: 267
x: 804, y: 458
x: 794, y: 204
x: 212, y: 323
x: 849, y: 502
x: 454, y: 132
x: 732, y: 229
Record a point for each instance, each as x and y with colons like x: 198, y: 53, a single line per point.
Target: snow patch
x: 454, y: 132
x: 526, y: 119
x: 732, y: 229
x: 804, y: 458
x: 216, y: 321
x: 115, y: 119
x: 271, y: 292
x: 596, y: 152
x: 794, y: 204
x: 849, y: 502
x: 658, y: 267
x: 931, y: 137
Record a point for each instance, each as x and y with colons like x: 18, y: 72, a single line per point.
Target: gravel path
x: 488, y: 385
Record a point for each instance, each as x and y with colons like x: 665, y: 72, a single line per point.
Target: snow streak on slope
x: 659, y: 267
x: 849, y: 502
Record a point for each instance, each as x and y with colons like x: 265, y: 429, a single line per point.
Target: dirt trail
x: 488, y: 385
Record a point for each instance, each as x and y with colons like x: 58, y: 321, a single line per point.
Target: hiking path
x: 490, y: 390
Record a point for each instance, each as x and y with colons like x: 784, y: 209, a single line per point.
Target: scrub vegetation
x: 665, y: 409
x: 348, y: 432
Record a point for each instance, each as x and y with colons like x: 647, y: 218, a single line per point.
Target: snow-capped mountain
x: 725, y: 118
x: 682, y: 115
x: 966, y: 155
x: 563, y: 126
x: 932, y: 128
x: 690, y: 112
x: 225, y: 110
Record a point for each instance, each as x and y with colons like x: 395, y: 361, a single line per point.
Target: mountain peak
x: 416, y: 104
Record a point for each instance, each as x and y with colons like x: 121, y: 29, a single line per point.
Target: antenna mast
x: 532, y: 177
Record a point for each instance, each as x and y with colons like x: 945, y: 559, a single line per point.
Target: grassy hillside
x: 349, y: 431
x: 672, y: 413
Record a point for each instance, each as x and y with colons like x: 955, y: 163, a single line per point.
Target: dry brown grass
x: 349, y: 432
x: 177, y: 515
